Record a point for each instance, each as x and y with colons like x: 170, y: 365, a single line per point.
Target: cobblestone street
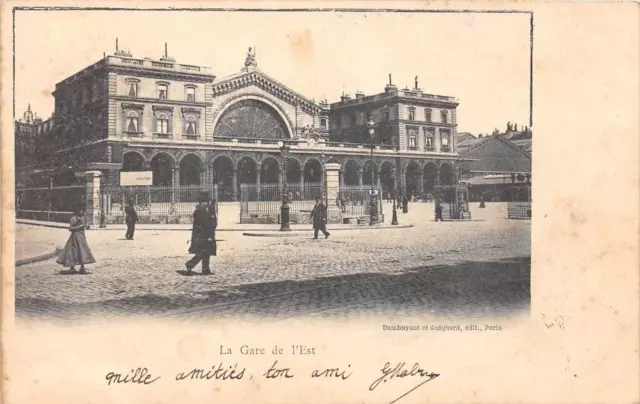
x: 443, y: 269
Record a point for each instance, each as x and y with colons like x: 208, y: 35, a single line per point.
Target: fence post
x: 50, y: 197
x: 92, y: 207
x: 331, y: 189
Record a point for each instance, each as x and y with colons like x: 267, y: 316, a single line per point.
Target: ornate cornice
x: 187, y: 110
x: 130, y: 105
x: 155, y: 100
x: 163, y: 108
x: 269, y: 85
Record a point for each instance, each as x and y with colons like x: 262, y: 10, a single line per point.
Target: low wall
x: 60, y: 217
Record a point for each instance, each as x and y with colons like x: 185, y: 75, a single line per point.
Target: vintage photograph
x: 272, y: 164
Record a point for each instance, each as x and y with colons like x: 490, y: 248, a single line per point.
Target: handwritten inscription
x: 221, y: 372
x: 389, y: 372
x: 136, y: 376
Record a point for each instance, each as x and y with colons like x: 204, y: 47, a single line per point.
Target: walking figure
x: 482, y: 201
x: 76, y: 251
x: 203, y: 234
x: 131, y: 218
x: 319, y: 216
x: 438, y: 211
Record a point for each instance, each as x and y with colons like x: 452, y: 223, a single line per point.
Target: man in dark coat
x: 438, y: 211
x: 319, y: 216
x: 131, y: 218
x: 203, y: 234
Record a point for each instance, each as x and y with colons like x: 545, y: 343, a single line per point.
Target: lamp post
x: 394, y: 219
x: 373, y: 202
x: 284, y: 209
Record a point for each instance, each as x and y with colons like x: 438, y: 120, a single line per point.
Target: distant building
x: 496, y: 167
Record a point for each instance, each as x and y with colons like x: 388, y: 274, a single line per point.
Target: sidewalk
x: 34, y: 251
x: 228, y: 227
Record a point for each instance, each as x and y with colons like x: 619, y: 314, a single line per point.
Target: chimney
x: 345, y: 97
x: 359, y: 94
x: 390, y: 86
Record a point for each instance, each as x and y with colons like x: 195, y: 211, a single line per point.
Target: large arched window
x: 251, y: 119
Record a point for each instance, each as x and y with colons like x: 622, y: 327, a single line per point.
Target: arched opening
x: 429, y: 178
x: 386, y: 179
x: 270, y: 171
x: 446, y: 174
x: 351, y: 173
x: 162, y: 167
x: 251, y: 119
x: 294, y: 171
x: 247, y: 174
x: 312, y: 171
x: 367, y: 172
x: 132, y: 161
x: 190, y: 170
x: 222, y: 176
x: 412, y: 175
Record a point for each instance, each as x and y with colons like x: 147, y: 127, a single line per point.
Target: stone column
x: 341, y: 178
x: 378, y: 185
x: 302, y: 185
x: 420, y: 183
x: 436, y: 139
x: 176, y: 184
x: 92, y: 197
x: 403, y: 181
x: 258, y: 184
x: 235, y: 184
x: 437, y: 176
x: 332, y: 191
x: 360, y: 177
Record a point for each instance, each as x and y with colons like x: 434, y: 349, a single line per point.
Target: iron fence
x: 266, y: 199
x: 61, y: 199
x: 154, y: 200
x: 354, y: 201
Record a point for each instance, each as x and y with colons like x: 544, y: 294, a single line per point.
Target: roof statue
x: 250, y: 61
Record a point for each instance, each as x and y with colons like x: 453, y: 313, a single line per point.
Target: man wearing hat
x: 203, y: 234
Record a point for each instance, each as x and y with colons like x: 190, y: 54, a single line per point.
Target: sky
x: 482, y: 59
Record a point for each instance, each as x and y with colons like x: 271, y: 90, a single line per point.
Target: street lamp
x: 373, y: 202
x: 284, y: 209
x: 394, y: 218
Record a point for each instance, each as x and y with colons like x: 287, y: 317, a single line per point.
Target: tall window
x: 162, y: 124
x: 428, y: 139
x: 133, y: 89
x: 323, y: 123
x: 163, y: 91
x: 191, y: 126
x: 427, y: 114
x: 412, y: 139
x: 444, y: 136
x: 443, y: 116
x: 133, y: 122
x: 412, y: 114
x: 385, y: 115
x: 360, y: 119
x: 191, y: 94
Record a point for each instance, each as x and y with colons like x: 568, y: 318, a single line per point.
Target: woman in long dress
x: 76, y: 251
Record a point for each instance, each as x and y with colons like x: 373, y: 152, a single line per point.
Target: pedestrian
x: 482, y: 201
x: 131, y: 218
x: 76, y: 251
x: 438, y: 211
x: 405, y: 204
x: 203, y: 234
x: 319, y: 216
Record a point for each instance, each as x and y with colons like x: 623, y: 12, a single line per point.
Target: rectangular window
x: 163, y: 125
x: 133, y: 89
x: 385, y: 115
x: 163, y: 90
x: 427, y: 115
x: 323, y: 123
x: 412, y: 114
x: 444, y: 116
x: 132, y: 124
x: 412, y: 142
x: 429, y: 141
x: 444, y: 140
x: 191, y: 94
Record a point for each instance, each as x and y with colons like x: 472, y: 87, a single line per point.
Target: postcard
x: 320, y: 202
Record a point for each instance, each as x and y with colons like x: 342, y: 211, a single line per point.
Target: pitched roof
x: 267, y: 83
x: 466, y: 149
